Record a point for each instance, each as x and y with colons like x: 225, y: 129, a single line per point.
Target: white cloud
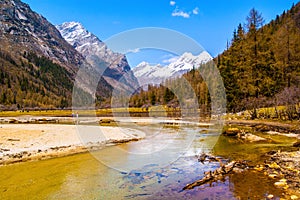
x: 196, y: 11
x: 170, y: 60
x: 180, y: 13
x: 172, y: 3
x: 137, y: 50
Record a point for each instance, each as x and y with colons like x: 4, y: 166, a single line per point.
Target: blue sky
x: 210, y: 22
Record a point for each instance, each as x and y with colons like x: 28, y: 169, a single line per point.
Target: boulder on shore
x: 231, y: 132
x: 250, y: 137
x: 243, y: 135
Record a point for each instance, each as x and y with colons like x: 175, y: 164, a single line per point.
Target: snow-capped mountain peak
x: 72, y: 31
x: 116, y: 68
x: 155, y: 74
x: 148, y: 70
x: 187, y: 61
x: 76, y: 35
x: 142, y: 64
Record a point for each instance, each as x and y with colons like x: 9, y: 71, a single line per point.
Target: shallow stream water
x: 136, y: 174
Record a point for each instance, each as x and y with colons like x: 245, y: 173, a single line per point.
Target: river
x: 157, y: 167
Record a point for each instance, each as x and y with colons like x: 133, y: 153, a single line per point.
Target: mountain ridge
x: 155, y: 74
x: 113, y: 66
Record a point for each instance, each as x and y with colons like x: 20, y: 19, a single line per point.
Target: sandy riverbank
x: 24, y: 142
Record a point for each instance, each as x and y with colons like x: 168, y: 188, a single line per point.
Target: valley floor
x: 24, y: 139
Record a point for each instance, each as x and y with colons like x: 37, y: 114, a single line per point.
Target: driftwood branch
x: 218, y: 173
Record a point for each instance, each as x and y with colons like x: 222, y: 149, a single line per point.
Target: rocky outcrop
x: 242, y: 134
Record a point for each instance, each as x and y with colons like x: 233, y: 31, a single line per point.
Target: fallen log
x: 217, y: 174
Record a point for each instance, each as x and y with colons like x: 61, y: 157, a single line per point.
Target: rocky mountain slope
x: 114, y: 66
x: 37, y: 66
x: 22, y: 30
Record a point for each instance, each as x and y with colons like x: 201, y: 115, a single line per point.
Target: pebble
x: 270, y: 196
x: 282, y: 180
x: 272, y: 175
x: 259, y: 168
x: 281, y: 183
x: 294, y: 197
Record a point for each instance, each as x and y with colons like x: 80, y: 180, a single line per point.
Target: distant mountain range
x: 155, y: 74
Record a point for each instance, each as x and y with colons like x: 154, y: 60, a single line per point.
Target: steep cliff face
x: 114, y: 66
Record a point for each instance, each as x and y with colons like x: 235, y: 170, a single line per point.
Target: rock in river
x: 231, y: 131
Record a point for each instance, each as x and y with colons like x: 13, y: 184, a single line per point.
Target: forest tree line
x: 260, y: 68
x: 33, y: 82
